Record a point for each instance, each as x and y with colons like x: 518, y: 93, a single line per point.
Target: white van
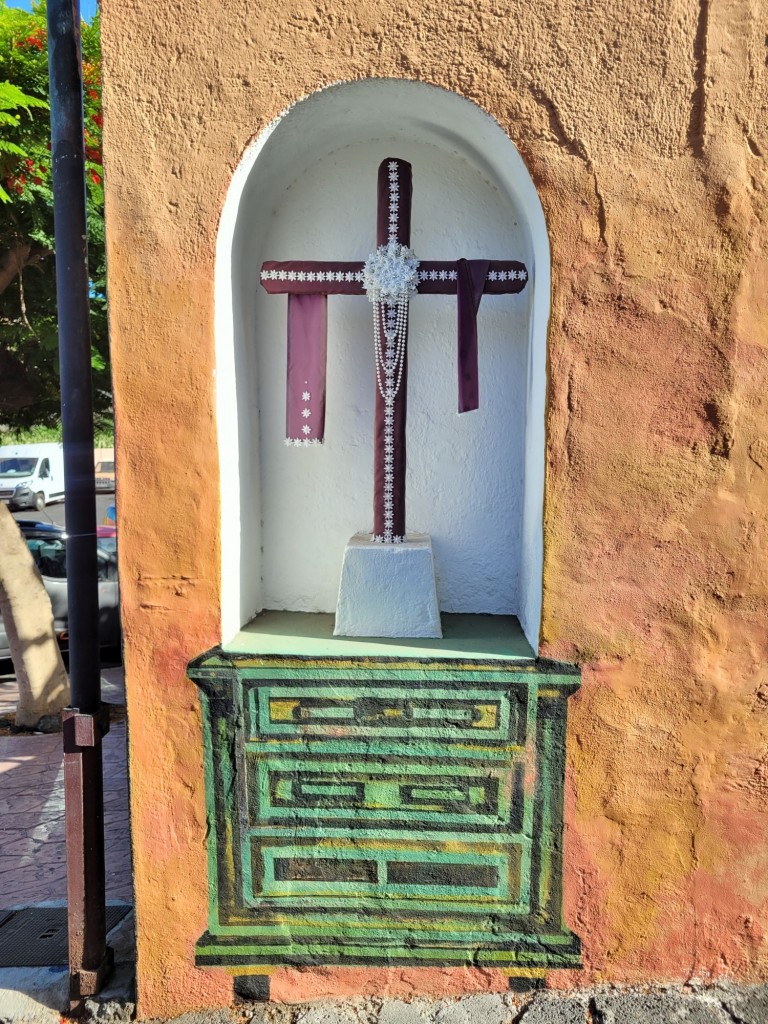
x: 31, y: 475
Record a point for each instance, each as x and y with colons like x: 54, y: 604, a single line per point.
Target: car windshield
x: 50, y: 555
x: 17, y: 467
x: 105, y: 467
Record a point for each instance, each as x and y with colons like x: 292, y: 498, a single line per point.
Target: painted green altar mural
x: 394, y: 805
x: 384, y: 811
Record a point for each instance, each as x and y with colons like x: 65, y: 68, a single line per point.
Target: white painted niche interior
x: 306, y: 189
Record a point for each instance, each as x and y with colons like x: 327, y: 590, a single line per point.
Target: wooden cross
x: 470, y: 279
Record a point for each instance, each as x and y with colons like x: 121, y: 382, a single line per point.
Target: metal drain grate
x: 37, y: 936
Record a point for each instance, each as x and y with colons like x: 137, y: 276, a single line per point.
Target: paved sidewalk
x: 33, y: 868
x: 32, y: 846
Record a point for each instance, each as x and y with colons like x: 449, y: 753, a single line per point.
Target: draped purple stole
x: 469, y: 291
x: 307, y: 347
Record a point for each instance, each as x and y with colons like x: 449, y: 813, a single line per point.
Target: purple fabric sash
x: 307, y: 345
x: 469, y: 291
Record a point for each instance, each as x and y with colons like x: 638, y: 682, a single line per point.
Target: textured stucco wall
x: 645, y: 129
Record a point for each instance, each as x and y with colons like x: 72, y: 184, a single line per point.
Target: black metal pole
x: 84, y: 722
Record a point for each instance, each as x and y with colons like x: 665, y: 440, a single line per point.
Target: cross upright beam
x: 393, y: 224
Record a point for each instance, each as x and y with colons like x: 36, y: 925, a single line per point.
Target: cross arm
x: 312, y: 277
x: 503, y: 277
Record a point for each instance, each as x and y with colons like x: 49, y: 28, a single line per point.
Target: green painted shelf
x: 307, y: 635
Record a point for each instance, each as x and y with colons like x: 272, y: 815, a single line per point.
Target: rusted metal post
x: 90, y: 961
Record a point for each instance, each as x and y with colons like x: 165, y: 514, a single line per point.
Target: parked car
x: 48, y: 546
x: 105, y: 477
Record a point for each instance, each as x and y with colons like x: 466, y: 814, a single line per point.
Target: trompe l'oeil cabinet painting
x: 389, y: 809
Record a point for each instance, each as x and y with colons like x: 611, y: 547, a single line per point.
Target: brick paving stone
x: 32, y: 847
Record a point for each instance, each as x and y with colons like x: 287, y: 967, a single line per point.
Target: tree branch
x: 19, y: 256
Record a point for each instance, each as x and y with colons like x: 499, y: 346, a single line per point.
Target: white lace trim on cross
x: 493, y: 275
x: 312, y: 275
x: 329, y: 276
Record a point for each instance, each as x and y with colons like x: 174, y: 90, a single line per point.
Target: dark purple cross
x: 308, y: 283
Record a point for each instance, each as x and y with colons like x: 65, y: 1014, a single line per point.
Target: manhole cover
x: 37, y: 936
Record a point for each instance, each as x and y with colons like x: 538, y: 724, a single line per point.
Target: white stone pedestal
x: 388, y: 589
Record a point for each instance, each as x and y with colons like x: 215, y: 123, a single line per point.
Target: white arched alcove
x: 306, y: 189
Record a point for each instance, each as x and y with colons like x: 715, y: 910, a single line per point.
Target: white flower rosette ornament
x: 391, y: 274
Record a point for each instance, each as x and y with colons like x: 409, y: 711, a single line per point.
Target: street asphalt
x: 55, y: 513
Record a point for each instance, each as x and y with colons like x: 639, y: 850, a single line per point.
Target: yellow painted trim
x: 488, y: 717
x: 523, y: 972
x: 369, y: 661
x: 282, y: 710
x: 250, y: 969
x: 507, y: 972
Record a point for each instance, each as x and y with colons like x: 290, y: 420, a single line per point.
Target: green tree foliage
x: 11, y: 100
x: 28, y: 335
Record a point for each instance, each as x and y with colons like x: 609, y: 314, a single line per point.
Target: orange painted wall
x: 645, y: 128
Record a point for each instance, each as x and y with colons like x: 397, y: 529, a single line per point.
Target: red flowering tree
x: 28, y: 335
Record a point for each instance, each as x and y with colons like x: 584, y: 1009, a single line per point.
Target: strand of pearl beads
x: 393, y: 361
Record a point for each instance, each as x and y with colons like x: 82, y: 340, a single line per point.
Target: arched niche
x: 306, y: 189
